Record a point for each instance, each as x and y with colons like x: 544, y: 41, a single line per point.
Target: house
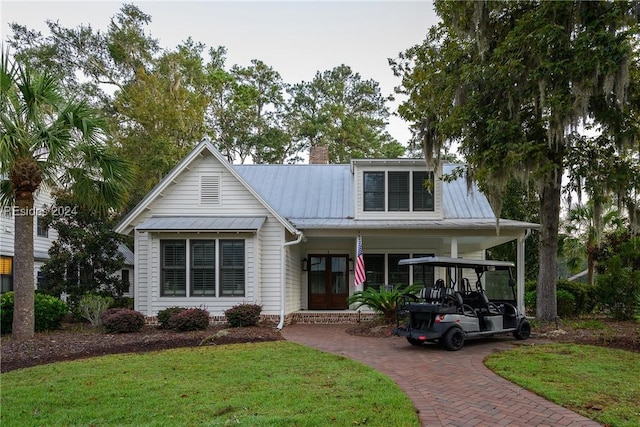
x: 212, y: 234
x: 43, y: 237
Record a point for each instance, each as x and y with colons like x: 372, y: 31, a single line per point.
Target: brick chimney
x: 319, y: 155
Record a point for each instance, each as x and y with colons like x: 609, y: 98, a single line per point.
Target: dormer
x: 396, y: 189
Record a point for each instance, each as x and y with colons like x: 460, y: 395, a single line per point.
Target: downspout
x: 283, y: 266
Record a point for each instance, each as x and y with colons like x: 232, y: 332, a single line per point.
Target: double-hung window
x: 398, y: 191
x: 203, y: 267
x: 174, y: 272
x: 374, y: 190
x: 206, y: 265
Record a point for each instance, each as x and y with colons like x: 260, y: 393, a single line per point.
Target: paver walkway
x: 448, y: 389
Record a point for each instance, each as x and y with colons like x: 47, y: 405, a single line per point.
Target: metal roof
x: 126, y: 253
x: 303, y: 191
x: 203, y: 223
x: 325, y: 192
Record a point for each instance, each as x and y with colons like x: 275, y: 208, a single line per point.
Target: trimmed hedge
x: 191, y: 319
x: 48, y: 311
x: 122, y: 320
x: 165, y: 316
x: 243, y: 315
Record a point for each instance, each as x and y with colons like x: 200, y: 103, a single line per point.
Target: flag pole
x: 360, y: 275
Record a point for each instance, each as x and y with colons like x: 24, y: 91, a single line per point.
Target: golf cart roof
x: 456, y: 262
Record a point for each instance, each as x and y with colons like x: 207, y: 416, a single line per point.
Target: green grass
x: 597, y: 382
x: 267, y: 384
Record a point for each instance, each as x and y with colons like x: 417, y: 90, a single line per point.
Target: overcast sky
x: 296, y: 38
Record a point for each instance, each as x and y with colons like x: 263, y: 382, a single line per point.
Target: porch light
x: 305, y: 265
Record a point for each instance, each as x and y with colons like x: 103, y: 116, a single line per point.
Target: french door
x: 328, y: 282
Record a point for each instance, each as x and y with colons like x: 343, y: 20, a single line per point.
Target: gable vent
x: 210, y: 189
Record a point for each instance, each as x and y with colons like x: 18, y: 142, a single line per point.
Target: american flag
x: 360, y: 276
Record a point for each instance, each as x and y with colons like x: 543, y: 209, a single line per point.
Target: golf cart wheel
x: 524, y: 330
x: 453, y: 340
x: 414, y: 341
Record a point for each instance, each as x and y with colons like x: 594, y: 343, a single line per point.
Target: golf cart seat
x: 430, y: 294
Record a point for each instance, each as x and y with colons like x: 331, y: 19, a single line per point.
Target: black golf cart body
x: 451, y: 313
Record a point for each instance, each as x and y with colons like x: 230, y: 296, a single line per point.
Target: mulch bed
x: 77, y: 341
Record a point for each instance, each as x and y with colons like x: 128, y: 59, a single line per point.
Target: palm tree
x: 47, y: 139
x: 583, y: 227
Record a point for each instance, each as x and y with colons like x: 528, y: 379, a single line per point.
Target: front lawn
x: 597, y: 382
x: 267, y: 384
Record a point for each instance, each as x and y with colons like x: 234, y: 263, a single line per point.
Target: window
x: 232, y: 268
x: 40, y: 280
x: 383, y: 270
x: 125, y: 279
x: 6, y: 274
x: 41, y: 228
x: 398, y: 274
x: 398, y: 191
x: 374, y: 191
x: 423, y: 273
x: 374, y: 266
x: 423, y: 191
x: 203, y: 267
x: 174, y: 258
x: 212, y: 268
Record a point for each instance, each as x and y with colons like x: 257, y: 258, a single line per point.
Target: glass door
x: 328, y: 282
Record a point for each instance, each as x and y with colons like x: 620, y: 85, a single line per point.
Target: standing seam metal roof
x: 326, y: 192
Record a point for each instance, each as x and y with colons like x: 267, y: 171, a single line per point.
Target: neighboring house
x: 213, y: 235
x: 43, y: 237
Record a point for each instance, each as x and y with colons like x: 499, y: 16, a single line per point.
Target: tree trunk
x: 546, y: 303
x: 23, y: 279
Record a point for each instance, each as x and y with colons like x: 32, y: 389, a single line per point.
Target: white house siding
x: 182, y: 198
x: 294, y: 286
x: 42, y: 201
x: 271, y: 245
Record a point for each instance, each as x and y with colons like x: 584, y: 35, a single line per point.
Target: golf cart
x: 450, y: 313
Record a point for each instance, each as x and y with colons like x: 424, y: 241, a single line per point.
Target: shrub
x: 165, y: 316
x: 122, y: 302
x: 243, y: 315
x: 191, y: 319
x: 116, y: 320
x: 584, y: 294
x: 48, y: 311
x: 383, y: 301
x: 530, y: 301
x: 6, y: 312
x: 566, y: 303
x: 92, y: 306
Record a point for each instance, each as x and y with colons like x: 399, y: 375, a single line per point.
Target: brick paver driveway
x: 447, y: 388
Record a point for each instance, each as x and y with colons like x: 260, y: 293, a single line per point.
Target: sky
x: 296, y: 38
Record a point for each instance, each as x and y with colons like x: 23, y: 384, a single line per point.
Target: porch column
x: 454, y: 254
x: 520, y: 272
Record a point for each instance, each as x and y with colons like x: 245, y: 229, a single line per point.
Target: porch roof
x: 203, y: 223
